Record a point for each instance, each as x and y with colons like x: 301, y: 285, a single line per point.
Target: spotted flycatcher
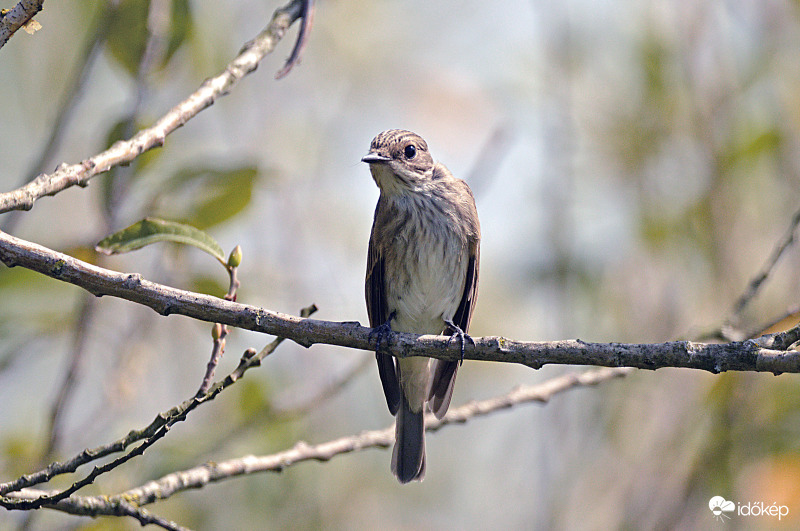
x: 422, y: 277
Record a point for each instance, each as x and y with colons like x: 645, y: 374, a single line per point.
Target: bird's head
x: 399, y: 161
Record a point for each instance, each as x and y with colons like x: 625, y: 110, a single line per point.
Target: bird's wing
x: 377, y: 308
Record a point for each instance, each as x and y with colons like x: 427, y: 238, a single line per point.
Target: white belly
x: 431, y: 292
x: 422, y: 297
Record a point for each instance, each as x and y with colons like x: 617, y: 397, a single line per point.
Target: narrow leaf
x: 128, y: 33
x: 206, y: 196
x: 151, y: 230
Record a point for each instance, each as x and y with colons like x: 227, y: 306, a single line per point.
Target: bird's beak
x: 372, y: 158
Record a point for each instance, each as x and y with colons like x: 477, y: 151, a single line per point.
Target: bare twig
x: 159, y: 14
x: 158, y: 21
x: 324, y: 394
x: 764, y: 355
x: 213, y: 472
x: 17, y: 17
x: 267, y: 415
x: 122, y: 152
x: 219, y: 331
x: 97, y: 506
x: 81, y: 332
x: 732, y: 328
x: 490, y: 157
x: 150, y: 434
x: 302, y: 38
x: 755, y: 284
x: 43, y: 160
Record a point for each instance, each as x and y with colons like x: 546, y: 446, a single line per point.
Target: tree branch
x: 17, y: 17
x: 95, y: 506
x: 302, y: 39
x: 122, y: 152
x: 755, y: 284
x: 766, y: 354
x: 150, y: 434
x: 70, y: 98
x: 200, y: 476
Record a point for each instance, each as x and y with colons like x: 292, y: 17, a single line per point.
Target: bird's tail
x: 408, y: 456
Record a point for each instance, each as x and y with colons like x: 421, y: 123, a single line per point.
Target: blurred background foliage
x: 634, y: 164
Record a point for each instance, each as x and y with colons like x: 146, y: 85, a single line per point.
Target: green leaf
x: 230, y: 195
x: 208, y: 284
x: 212, y: 195
x: 253, y: 398
x: 128, y: 34
x: 151, y: 230
x: 751, y: 145
x: 180, y: 28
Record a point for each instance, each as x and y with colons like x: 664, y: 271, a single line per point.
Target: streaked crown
x: 399, y: 159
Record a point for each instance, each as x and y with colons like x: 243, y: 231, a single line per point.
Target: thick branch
x: 767, y: 354
x: 122, y: 152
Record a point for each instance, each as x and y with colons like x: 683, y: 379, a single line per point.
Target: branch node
x: 304, y: 342
x: 132, y: 281
x: 58, y: 268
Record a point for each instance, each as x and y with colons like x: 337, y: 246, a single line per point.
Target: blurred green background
x: 633, y: 163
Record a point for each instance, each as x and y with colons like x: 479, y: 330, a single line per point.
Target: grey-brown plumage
x: 422, y: 277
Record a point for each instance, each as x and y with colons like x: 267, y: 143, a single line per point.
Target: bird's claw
x: 461, y: 335
x: 381, y: 333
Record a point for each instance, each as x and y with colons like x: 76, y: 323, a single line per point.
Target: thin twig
x: 267, y: 415
x: 81, y: 333
x: 200, y: 476
x: 122, y: 152
x: 755, y: 284
x: 43, y: 160
x: 95, y: 506
x: 158, y: 21
x: 220, y: 331
x: 151, y: 434
x: 302, y: 38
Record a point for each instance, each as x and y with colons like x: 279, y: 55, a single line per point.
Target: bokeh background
x: 634, y: 164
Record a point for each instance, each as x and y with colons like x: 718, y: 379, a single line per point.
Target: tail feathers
x: 408, y: 456
x: 442, y: 383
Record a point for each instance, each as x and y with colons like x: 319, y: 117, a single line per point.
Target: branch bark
x: 150, y: 434
x: 202, y: 475
x: 17, y: 17
x: 766, y: 354
x: 122, y: 152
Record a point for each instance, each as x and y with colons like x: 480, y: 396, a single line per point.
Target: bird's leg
x: 382, y: 332
x: 460, y: 334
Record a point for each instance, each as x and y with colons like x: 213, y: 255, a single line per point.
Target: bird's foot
x: 460, y: 334
x: 382, y: 333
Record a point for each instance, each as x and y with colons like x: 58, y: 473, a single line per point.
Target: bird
x: 422, y: 278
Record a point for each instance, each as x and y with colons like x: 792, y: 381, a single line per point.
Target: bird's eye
x: 410, y: 151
